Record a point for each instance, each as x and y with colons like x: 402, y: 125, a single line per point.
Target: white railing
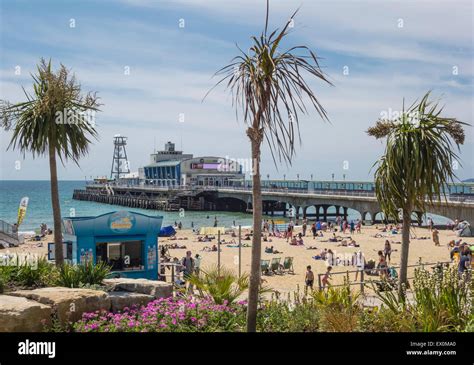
x: 292, y: 192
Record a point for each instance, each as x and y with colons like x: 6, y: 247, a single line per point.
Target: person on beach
x: 309, y: 279
x: 352, y: 227
x: 305, y: 223
x: 382, y: 265
x: 215, y: 221
x: 464, y: 263
x: 387, y: 250
x: 188, y: 264
x: 430, y: 223
x: 435, y: 235
x: 359, y: 263
x: 325, y: 280
x: 289, y: 232
x: 313, y: 230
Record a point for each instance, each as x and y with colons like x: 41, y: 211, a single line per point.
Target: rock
x: 19, y: 314
x: 158, y: 289
x: 68, y: 303
x: 121, y: 299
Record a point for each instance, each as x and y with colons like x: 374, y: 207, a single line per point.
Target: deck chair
x: 288, y: 265
x: 265, y: 267
x: 275, y: 265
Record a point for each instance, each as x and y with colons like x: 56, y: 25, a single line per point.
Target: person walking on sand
x: 188, y: 264
x: 387, y: 250
x: 430, y: 223
x: 325, y: 280
x: 435, y: 235
x: 309, y: 279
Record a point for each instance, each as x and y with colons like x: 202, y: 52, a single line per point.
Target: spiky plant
x: 417, y: 164
x: 52, y: 122
x: 269, y: 89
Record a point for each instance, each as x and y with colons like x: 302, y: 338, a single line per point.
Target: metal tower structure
x: 120, y: 163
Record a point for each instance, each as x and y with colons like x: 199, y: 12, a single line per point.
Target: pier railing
x: 194, y: 188
x: 8, y: 229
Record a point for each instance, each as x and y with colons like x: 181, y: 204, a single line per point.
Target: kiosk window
x: 122, y: 256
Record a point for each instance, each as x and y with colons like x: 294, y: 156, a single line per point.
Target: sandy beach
x: 423, y: 249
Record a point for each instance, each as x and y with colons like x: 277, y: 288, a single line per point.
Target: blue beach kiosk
x: 127, y: 241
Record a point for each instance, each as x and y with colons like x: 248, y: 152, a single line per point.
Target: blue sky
x: 171, y: 69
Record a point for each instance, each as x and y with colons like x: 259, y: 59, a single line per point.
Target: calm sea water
x: 40, y: 210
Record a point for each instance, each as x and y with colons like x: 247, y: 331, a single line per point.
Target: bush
x: 442, y: 301
x: 27, y: 273
x: 221, y: 285
x: 76, y: 276
x: 288, y: 316
x: 339, y: 309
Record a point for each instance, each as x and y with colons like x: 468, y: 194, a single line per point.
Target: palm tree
x: 54, y: 121
x: 416, y: 165
x: 268, y: 87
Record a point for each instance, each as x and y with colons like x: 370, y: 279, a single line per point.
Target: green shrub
x: 223, y: 285
x: 440, y: 301
x: 76, y: 276
x: 28, y: 273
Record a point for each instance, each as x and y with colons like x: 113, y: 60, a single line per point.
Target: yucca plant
x: 93, y: 274
x: 417, y: 164
x: 221, y: 285
x: 76, y: 276
x: 268, y: 87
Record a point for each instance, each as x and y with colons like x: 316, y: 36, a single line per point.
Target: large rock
x: 19, y: 314
x: 122, y: 299
x: 69, y: 303
x: 158, y: 289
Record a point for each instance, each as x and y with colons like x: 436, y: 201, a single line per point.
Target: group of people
x: 461, y: 254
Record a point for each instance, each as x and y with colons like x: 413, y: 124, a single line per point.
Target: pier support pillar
x: 345, y: 212
x: 325, y: 213
x: 297, y: 212
x: 372, y: 216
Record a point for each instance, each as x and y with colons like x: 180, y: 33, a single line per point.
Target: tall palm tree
x: 416, y: 165
x: 53, y: 121
x: 268, y: 88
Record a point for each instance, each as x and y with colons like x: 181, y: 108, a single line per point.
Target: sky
x: 152, y: 62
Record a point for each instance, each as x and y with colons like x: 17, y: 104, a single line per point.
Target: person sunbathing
x: 269, y: 249
x: 311, y: 248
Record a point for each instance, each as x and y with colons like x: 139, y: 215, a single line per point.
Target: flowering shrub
x: 168, y: 315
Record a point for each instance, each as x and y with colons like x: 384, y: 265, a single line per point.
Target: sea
x: 40, y: 210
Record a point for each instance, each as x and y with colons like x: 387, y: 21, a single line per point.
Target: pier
x: 296, y: 202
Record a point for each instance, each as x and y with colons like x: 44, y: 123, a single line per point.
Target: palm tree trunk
x: 58, y: 239
x: 405, y: 249
x: 255, y: 274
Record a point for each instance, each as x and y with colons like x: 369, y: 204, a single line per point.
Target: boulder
x: 158, y: 289
x: 122, y: 299
x: 68, y: 303
x: 19, y: 314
